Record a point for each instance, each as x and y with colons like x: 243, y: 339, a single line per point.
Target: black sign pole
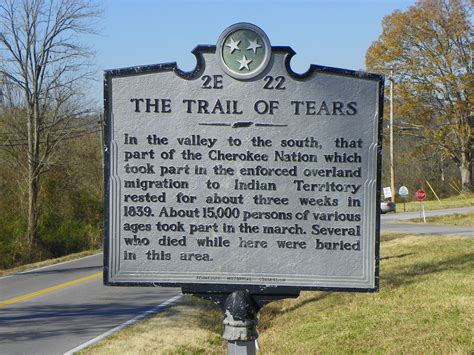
x: 240, y: 308
x: 240, y: 323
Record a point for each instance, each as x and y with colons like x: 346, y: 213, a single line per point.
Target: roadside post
x: 242, y: 182
x: 421, y: 196
x: 403, y: 193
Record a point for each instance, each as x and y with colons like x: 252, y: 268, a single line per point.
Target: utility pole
x: 392, y: 164
x: 392, y: 169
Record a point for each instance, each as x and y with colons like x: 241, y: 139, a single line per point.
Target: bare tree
x: 44, y: 67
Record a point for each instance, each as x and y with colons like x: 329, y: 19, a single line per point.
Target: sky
x: 334, y: 33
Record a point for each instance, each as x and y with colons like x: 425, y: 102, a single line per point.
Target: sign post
x: 242, y: 181
x: 403, y: 193
x: 421, y: 196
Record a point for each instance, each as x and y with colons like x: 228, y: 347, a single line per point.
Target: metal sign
x: 403, y: 192
x: 242, y: 173
x: 420, y: 195
x: 387, y: 192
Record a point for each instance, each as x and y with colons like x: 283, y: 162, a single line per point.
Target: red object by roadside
x: 420, y: 195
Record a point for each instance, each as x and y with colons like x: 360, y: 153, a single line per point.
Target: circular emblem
x: 243, y: 50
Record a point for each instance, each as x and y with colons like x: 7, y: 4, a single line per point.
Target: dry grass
x: 464, y: 200
x: 425, y: 305
x: 22, y: 268
x: 191, y: 327
x: 457, y: 219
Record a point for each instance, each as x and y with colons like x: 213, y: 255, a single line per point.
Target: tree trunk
x: 466, y: 172
x: 34, y: 173
x: 33, y: 192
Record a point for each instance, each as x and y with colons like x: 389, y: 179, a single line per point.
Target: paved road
x: 65, y: 317
x: 67, y: 305
x: 391, y: 223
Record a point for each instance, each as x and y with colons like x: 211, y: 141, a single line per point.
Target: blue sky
x: 335, y: 33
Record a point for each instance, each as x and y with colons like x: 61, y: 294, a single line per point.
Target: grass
x: 22, y: 268
x: 191, y: 327
x: 464, y: 200
x: 457, y: 219
x: 425, y: 305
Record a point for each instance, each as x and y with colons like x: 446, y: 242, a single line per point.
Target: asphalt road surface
x: 393, y: 222
x: 57, y: 308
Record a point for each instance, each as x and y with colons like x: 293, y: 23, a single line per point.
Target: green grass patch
x: 425, y: 305
x: 26, y: 267
x: 463, y: 200
x: 457, y: 219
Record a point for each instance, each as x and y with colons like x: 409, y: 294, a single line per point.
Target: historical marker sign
x: 243, y: 173
x: 403, y: 192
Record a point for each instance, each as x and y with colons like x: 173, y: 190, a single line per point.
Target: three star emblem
x: 253, y: 45
x: 243, y: 51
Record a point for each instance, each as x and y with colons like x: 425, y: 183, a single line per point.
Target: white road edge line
x: 118, y: 328
x: 48, y: 266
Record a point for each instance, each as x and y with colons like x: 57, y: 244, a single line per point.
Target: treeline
x: 70, y: 199
x: 50, y: 178
x: 419, y: 166
x: 425, y: 53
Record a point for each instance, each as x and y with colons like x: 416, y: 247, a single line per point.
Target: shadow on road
x: 26, y: 323
x: 61, y: 271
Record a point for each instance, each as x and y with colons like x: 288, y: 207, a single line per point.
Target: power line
x: 82, y: 134
x: 91, y: 125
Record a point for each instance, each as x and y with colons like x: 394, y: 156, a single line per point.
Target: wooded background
x: 51, y: 149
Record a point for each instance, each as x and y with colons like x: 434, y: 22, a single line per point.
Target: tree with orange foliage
x: 428, y: 47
